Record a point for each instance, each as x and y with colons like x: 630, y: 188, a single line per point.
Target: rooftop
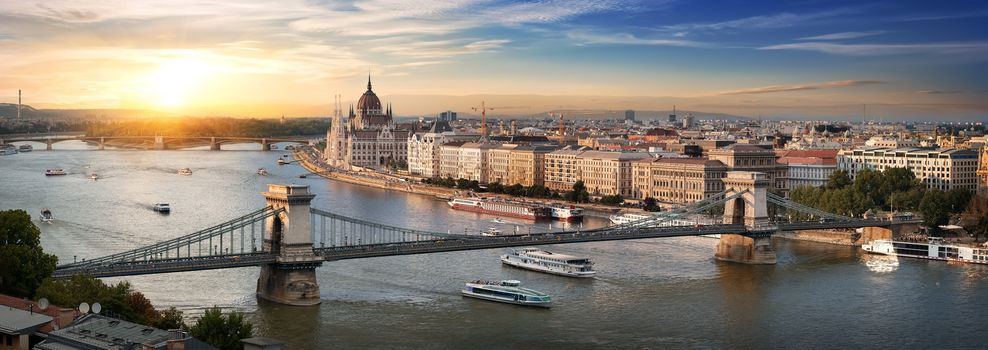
x: 17, y: 321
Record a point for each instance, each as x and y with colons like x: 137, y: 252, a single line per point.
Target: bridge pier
x: 265, y: 146
x: 159, y: 143
x: 291, y: 279
x: 102, y: 144
x: 213, y: 146
x: 48, y: 143
x: 751, y: 210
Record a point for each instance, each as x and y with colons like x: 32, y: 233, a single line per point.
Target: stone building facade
x: 367, y: 137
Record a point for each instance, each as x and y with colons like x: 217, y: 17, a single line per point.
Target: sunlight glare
x: 172, y: 83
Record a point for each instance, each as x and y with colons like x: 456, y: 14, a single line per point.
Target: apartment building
x: 498, y: 161
x: 449, y: 159
x: 473, y: 161
x: 942, y: 168
x: 526, y: 165
x: 677, y: 180
x: 808, y: 167
x: 423, y: 148
x: 561, y: 170
x: 607, y: 173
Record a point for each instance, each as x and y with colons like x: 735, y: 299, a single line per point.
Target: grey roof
x: 101, y: 332
x: 440, y: 126
x: 17, y: 321
x: 614, y: 155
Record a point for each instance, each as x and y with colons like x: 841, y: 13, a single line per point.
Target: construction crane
x: 483, y: 115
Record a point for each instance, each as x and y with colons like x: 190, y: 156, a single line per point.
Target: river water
x: 656, y: 293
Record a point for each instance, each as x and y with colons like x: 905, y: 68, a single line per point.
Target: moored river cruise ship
x: 543, y: 261
x: 935, y: 249
x: 502, y: 208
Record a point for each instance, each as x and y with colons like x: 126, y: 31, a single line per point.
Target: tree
x: 23, y: 263
x: 958, y: 199
x: 495, y: 187
x: 975, y: 216
x: 115, y: 299
x: 934, y: 208
x: 612, y: 200
x: 579, y: 193
x: 222, y: 331
x: 170, y: 318
x: 650, y: 204
x: 838, y: 179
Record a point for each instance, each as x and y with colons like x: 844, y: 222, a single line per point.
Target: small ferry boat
x: 492, y: 232
x: 501, y: 208
x: 94, y: 176
x: 6, y: 150
x: 46, y: 216
x: 508, y: 291
x: 301, y: 176
x: 544, y: 261
x: 162, y: 208
x: 55, y: 172
x: 570, y: 213
x: 934, y: 249
x: 281, y: 161
x: 185, y: 171
x: 290, y: 148
x: 25, y: 148
x: 626, y: 218
x: 262, y: 172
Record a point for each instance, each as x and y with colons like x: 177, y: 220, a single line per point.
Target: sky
x: 797, y: 59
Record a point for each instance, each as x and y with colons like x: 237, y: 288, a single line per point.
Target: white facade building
x: 367, y: 137
x: 943, y: 168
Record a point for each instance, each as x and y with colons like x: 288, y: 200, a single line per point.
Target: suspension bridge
x: 288, y: 239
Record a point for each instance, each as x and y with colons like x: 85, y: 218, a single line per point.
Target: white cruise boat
x: 7, y: 150
x: 501, y: 208
x: 162, y: 208
x: 506, y: 292
x: 25, y: 148
x: 185, y: 171
x: 570, y: 213
x: 626, y: 218
x: 543, y: 261
x: 934, y: 249
x: 492, y: 232
x: 55, y: 172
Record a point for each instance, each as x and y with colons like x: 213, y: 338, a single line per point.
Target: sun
x: 171, y: 85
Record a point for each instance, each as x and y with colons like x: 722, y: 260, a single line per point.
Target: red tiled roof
x: 26, y: 305
x: 819, y: 153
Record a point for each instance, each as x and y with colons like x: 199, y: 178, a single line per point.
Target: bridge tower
x: 751, y: 210
x: 291, y: 279
x: 213, y: 145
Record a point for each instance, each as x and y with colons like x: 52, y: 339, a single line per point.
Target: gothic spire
x: 368, y: 81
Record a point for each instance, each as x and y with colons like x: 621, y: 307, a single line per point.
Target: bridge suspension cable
x: 225, y: 235
x: 337, y: 230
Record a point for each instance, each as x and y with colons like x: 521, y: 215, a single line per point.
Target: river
x: 656, y: 293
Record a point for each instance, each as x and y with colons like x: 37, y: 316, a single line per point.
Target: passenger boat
x: 570, y: 213
x: 501, y: 208
x: 94, y: 176
x: 162, y: 208
x: 46, y: 216
x: 508, y: 291
x: 290, y: 148
x: 262, y: 172
x: 492, y: 232
x: 543, y: 261
x: 185, y: 171
x: 25, y: 148
x: 7, y: 150
x: 55, y: 172
x: 626, y: 218
x: 281, y: 161
x: 934, y: 249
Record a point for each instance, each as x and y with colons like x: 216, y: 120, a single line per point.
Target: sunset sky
x: 905, y: 59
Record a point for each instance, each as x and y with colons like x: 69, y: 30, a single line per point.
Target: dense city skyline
x: 809, y: 59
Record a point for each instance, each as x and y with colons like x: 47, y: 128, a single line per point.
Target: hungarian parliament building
x: 366, y: 137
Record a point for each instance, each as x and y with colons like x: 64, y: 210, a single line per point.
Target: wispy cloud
x: 844, y: 35
x: 801, y: 87
x: 938, y: 92
x: 584, y: 37
x: 778, y: 20
x: 886, y: 49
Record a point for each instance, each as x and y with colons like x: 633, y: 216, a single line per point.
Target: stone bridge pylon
x: 291, y: 279
x: 751, y: 210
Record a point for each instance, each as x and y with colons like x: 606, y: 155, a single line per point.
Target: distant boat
x: 162, y: 208
x: 273, y: 147
x: 94, y: 176
x: 55, y: 172
x: 492, y: 232
x: 46, y: 216
x: 290, y: 148
x: 301, y: 176
x: 281, y: 161
x: 262, y: 172
x: 8, y: 149
x: 25, y: 148
x: 185, y: 171
x: 508, y: 291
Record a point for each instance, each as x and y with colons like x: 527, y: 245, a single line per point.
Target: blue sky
x: 908, y: 59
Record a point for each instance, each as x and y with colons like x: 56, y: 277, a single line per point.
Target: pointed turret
x: 368, y: 82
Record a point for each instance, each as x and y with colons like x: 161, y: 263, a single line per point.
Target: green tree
x: 116, y: 299
x: 170, y: 318
x: 495, y: 187
x: 935, y: 209
x: 958, y: 199
x: 838, y: 179
x: 612, y: 200
x: 975, y: 217
x: 23, y: 263
x: 579, y: 193
x: 650, y: 204
x: 222, y: 331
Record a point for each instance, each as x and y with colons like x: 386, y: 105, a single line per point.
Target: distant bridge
x: 160, y: 142
x: 289, y: 240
